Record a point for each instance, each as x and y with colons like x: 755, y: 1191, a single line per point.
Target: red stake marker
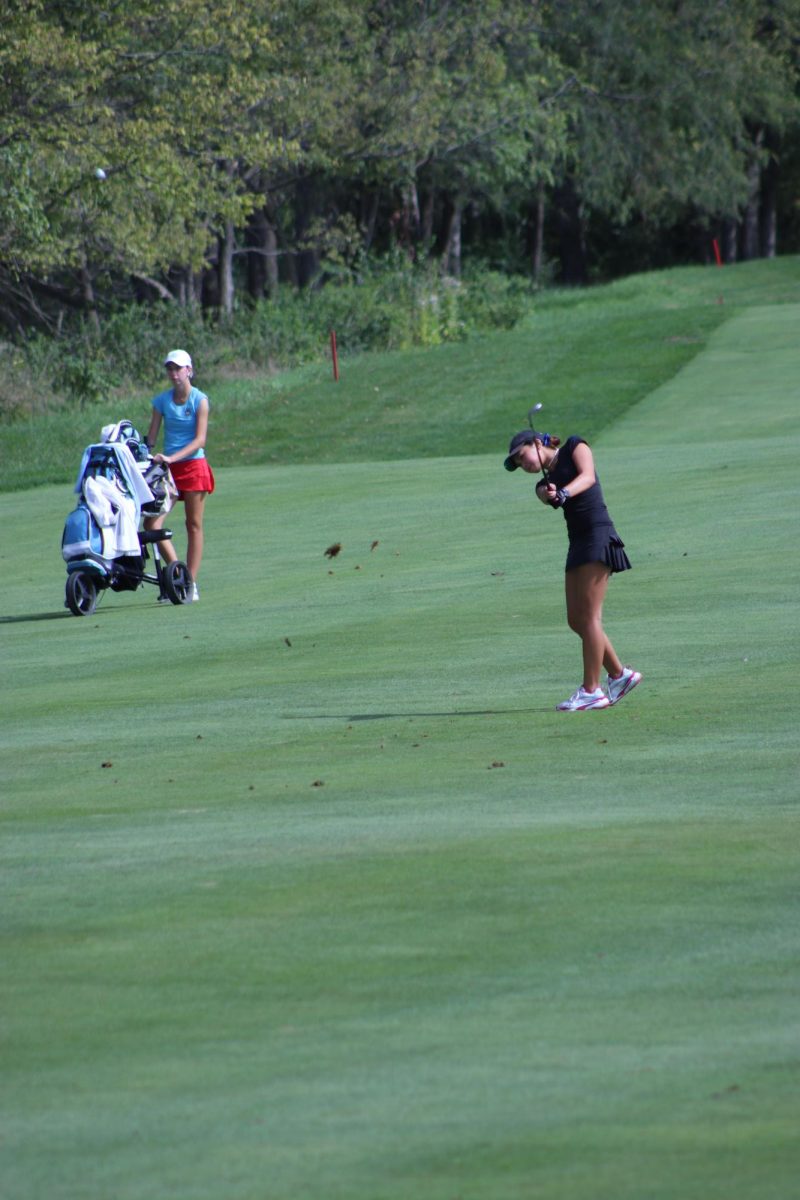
x: 334, y: 356
x: 717, y: 254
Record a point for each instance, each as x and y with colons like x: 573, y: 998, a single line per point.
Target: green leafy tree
x: 156, y: 97
x: 661, y: 121
x: 424, y: 101
x: 165, y: 141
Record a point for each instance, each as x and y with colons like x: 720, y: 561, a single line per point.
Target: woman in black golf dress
x: 596, y: 551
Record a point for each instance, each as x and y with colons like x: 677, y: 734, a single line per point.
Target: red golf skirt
x: 192, y: 475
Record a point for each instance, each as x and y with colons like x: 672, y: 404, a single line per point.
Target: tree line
x: 211, y: 151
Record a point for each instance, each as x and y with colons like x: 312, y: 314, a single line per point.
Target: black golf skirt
x: 603, y: 545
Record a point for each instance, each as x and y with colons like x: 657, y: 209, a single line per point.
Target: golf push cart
x: 102, y: 545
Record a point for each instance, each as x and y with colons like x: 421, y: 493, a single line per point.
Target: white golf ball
x: 99, y: 173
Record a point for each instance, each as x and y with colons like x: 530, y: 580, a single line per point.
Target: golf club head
x: 534, y: 409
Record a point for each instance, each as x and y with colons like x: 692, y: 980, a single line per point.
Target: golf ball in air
x: 99, y: 173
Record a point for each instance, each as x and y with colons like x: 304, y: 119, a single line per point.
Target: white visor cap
x: 179, y: 358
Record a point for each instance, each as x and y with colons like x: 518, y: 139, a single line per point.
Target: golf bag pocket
x: 82, y: 536
x: 158, y: 478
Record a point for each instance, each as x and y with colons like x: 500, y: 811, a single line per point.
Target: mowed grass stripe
x: 428, y: 975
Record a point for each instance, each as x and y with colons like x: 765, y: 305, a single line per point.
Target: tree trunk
x: 186, y: 286
x: 254, y: 240
x: 262, y: 257
x: 209, y: 280
x: 179, y: 281
x: 369, y: 215
x: 307, y: 257
x: 571, y: 237
x: 427, y: 219
x: 769, y: 209
x: 271, y: 246
x: 750, y: 226
x: 227, y: 244
x: 750, y: 229
x: 730, y: 230
x: 452, y: 246
x: 537, y: 261
x: 290, y: 263
x: 411, y: 213
x: 88, y: 296
x: 145, y: 288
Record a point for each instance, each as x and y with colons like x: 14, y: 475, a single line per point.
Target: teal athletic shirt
x: 180, y: 421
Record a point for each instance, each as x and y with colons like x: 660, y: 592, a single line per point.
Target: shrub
x: 382, y: 303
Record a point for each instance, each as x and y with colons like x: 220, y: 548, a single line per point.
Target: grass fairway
x: 309, y: 894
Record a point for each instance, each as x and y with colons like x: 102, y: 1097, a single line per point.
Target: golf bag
x: 102, y: 545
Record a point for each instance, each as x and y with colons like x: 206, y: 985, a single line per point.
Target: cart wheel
x: 81, y: 593
x: 178, y: 583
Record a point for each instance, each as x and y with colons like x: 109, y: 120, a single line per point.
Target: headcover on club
x: 525, y: 437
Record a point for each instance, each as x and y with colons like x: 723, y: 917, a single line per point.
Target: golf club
x: 535, y: 409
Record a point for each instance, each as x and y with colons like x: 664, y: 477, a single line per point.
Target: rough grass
x: 352, y: 912
x: 588, y: 355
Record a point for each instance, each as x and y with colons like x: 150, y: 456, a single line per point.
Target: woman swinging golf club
x: 596, y: 551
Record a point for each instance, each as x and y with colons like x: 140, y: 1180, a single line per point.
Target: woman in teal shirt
x: 183, y: 409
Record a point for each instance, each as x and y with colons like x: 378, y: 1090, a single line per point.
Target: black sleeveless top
x: 587, y: 511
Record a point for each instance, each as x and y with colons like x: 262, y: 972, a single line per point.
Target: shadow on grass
x: 56, y: 616
x: 390, y: 716
x: 48, y: 616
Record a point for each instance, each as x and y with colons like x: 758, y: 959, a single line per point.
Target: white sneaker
x: 624, y: 683
x: 582, y: 699
x: 195, y: 594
